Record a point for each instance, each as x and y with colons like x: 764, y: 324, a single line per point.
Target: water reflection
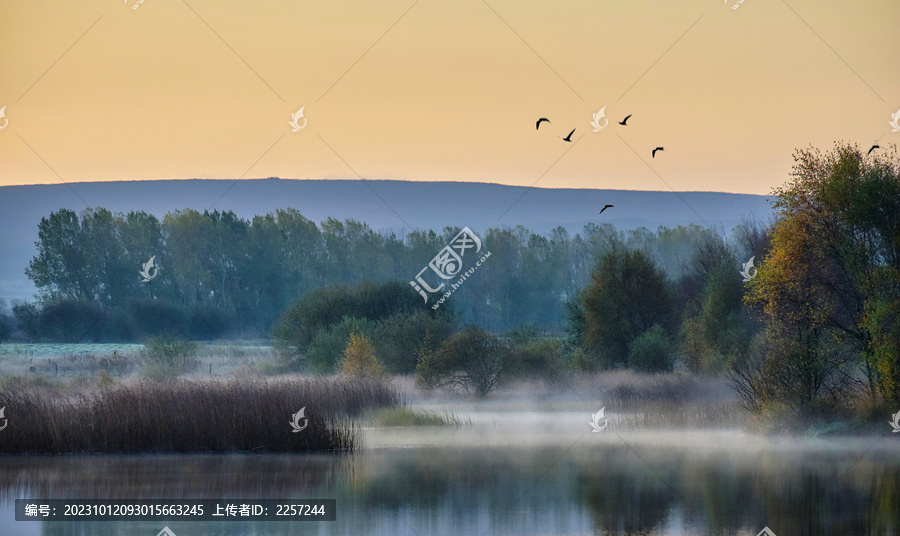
x: 608, y: 488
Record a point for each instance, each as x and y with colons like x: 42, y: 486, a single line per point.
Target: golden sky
x: 424, y: 90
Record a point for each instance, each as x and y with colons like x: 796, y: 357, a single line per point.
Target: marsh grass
x: 406, y: 416
x: 188, y: 416
x: 645, y: 401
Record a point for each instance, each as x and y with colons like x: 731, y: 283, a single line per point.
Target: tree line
x: 222, y: 275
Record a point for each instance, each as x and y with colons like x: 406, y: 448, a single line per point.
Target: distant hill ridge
x: 383, y: 204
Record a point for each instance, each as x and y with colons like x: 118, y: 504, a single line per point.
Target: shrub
x: 64, y: 320
x: 7, y: 323
x: 472, y: 360
x: 360, y: 359
x: 166, y: 357
x: 398, y: 338
x: 326, y: 351
x: 28, y: 319
x: 535, y: 356
x: 208, y: 323
x: 393, y: 302
x: 153, y: 318
x: 583, y: 361
x: 652, y: 351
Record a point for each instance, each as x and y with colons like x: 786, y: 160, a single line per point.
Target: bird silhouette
x: 657, y: 149
x: 569, y: 137
x: 622, y: 122
x: 606, y: 207
x: 539, y: 121
x: 876, y: 146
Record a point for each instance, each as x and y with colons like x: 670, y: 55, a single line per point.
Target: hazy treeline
x: 219, y: 274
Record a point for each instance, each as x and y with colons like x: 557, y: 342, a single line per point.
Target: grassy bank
x: 188, y: 416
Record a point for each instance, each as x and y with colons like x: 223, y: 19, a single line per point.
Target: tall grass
x: 406, y: 416
x: 183, y: 416
x: 643, y: 401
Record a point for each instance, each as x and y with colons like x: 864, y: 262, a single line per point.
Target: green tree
x: 60, y: 269
x: 627, y: 296
x: 716, y: 327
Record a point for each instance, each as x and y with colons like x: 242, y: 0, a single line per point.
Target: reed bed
x: 652, y: 401
x: 190, y: 416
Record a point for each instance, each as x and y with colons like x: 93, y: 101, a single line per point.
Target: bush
x: 64, y: 320
x: 207, y: 323
x: 398, y: 338
x: 393, y: 302
x: 166, y: 357
x: 583, y: 361
x: 7, y: 323
x: 535, y: 356
x: 652, y: 351
x: 472, y: 360
x: 326, y: 351
x: 155, y: 318
x: 360, y: 359
x: 28, y: 319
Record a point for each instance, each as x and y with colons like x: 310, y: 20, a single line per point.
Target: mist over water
x: 515, y: 470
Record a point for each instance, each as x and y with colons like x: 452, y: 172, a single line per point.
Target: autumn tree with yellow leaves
x: 829, y: 287
x: 360, y: 359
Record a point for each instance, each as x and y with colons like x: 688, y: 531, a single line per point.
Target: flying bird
x: 622, y: 122
x: 876, y: 146
x: 657, y: 149
x: 606, y: 207
x: 539, y: 121
x: 569, y: 137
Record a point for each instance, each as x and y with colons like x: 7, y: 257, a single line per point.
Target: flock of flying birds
x: 624, y: 123
x: 568, y: 138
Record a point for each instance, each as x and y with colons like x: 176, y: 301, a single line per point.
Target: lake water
x: 508, y: 473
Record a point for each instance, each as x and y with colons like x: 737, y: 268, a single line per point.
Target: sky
x: 101, y: 90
